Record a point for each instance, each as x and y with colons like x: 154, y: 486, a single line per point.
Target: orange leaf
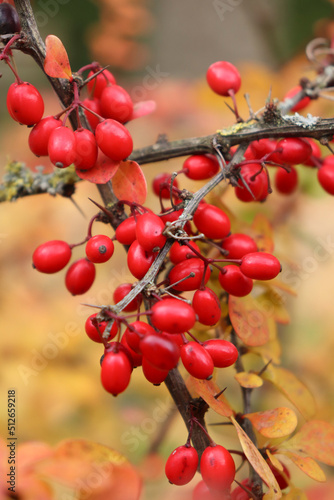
x: 275, y: 423
x: 315, y: 438
x: 307, y: 465
x: 208, y: 389
x: 263, y: 233
x: 56, y: 63
x: 103, y: 170
x: 248, y: 380
x: 248, y: 320
x: 129, y: 183
x: 292, y: 388
x: 258, y: 462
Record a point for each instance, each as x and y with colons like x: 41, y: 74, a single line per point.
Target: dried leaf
x: 129, y: 183
x: 208, y: 389
x: 292, y: 388
x: 248, y: 380
x: 307, y: 465
x: 249, y: 320
x: 275, y: 423
x: 316, y: 439
x: 258, y: 462
x: 103, y: 170
x: 263, y: 233
x: 143, y: 108
x: 276, y: 463
x: 56, y: 63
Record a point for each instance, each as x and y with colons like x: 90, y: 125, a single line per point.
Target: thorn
x: 264, y: 368
x: 77, y: 207
x: 216, y: 396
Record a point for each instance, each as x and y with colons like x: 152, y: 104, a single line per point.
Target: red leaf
x: 56, y: 63
x: 143, y: 108
x: 129, y: 183
x: 103, y: 170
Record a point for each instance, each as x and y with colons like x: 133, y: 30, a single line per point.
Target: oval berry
x: 303, y: 103
x: 212, y: 222
x: 126, y: 232
x: 217, y: 467
x: 24, y: 103
x: 40, y: 135
x: 122, y: 291
x: 286, y: 182
x: 257, y: 182
x: 136, y: 358
x: 99, y: 83
x: 182, y: 271
x: 222, y: 77
x: 159, y: 351
x: 9, y: 19
x: 161, y: 185
x: 116, y: 372
x: 139, y: 261
x: 52, y: 256
x: 181, y: 465
x: 295, y: 150
x: 93, y: 332
x: 93, y: 105
x: 135, y: 332
x: 80, y: 277
x: 85, y: 149
x: 239, y: 493
x: 99, y: 248
x: 281, y: 477
x: 326, y: 177
x: 180, y: 252
x: 207, y: 307
x: 238, y: 244
x: 263, y: 147
x: 149, y: 230
x: 201, y: 167
x: 260, y: 266
x: 173, y: 316
x: 196, y: 360
x: 116, y: 103
x: 153, y: 374
x: 61, y: 147
x: 202, y: 492
x: 234, y: 282
x: 316, y: 153
x: 114, y: 139
x: 222, y: 352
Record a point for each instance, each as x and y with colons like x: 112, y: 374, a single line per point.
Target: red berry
x: 179, y: 252
x: 316, y: 153
x: 294, y: 151
x: 137, y: 359
x: 202, y: 492
x: 135, y: 332
x: 282, y: 482
x: 116, y: 371
x: 161, y: 184
x: 85, y: 149
x: 286, y: 182
x: 52, y: 256
x: 80, y: 277
x: 201, y: 167
x: 181, y: 465
x: 121, y: 291
x: 40, y: 135
x: 93, y: 332
x: 149, y: 230
x: 212, y: 221
x: 257, y: 182
x: 260, y: 266
x: 326, y: 177
x: 238, y: 245
x: 234, y: 281
x: 139, y: 261
x: 94, y: 105
x: 99, y: 83
x: 239, y: 493
x: 9, y: 19
x: 153, y: 374
x: 99, y: 248
x: 173, y: 316
x: 196, y: 360
x: 159, y: 351
x: 207, y: 307
x: 262, y: 147
x: 24, y: 103
x: 126, y: 231
x: 217, y: 467
x: 116, y: 103
x: 303, y: 103
x: 183, y: 269
x: 222, y: 76
x: 222, y: 352
x: 114, y: 139
x: 61, y: 147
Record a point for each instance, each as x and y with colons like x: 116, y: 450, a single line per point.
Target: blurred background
x: 157, y: 50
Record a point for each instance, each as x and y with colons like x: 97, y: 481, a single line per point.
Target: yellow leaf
x: 315, y: 438
x: 276, y: 463
x: 292, y: 388
x: 56, y: 63
x: 248, y: 380
x: 208, y: 389
x: 307, y: 465
x: 258, y: 462
x: 249, y: 320
x: 275, y: 423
